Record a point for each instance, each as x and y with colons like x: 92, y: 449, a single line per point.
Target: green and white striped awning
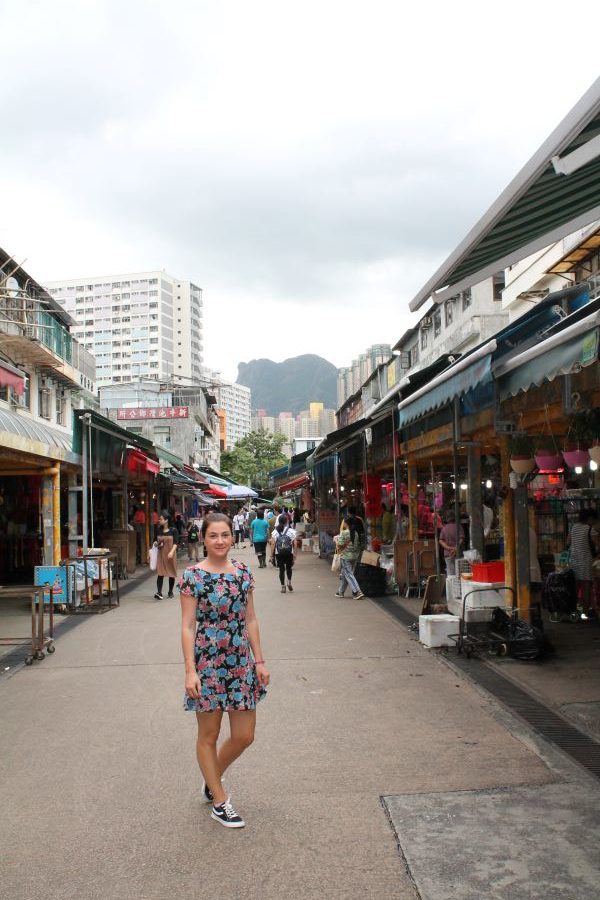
x: 557, y: 192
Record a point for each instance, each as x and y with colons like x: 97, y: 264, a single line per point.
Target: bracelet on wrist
x: 259, y: 662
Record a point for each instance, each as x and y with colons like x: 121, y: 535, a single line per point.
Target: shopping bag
x: 336, y: 563
x: 154, y: 558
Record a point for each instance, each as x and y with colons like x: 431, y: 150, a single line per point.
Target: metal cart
x: 476, y: 641
x: 111, y: 560
x: 40, y: 643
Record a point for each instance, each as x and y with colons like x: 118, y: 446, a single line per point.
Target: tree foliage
x: 253, y: 458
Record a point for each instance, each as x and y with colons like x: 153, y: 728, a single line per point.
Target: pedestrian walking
x: 251, y: 517
x: 348, y: 546
x: 284, y: 550
x: 259, y: 533
x: 238, y: 529
x: 193, y: 540
x: 224, y: 666
x: 166, y: 541
x: 582, y: 542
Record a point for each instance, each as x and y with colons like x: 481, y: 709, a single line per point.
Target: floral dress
x: 223, y: 655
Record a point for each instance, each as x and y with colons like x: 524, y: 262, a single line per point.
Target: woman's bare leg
x: 209, y: 726
x: 242, y: 723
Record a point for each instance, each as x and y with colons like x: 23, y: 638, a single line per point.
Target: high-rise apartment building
x: 235, y: 401
x: 351, y: 379
x: 140, y: 325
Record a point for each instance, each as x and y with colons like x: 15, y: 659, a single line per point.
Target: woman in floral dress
x: 224, y: 666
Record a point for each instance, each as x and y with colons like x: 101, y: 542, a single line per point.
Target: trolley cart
x: 107, y: 583
x: 39, y: 641
x: 469, y: 642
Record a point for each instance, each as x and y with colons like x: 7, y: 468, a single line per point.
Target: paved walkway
x: 101, y: 789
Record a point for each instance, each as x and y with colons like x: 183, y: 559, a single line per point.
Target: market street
x: 362, y: 729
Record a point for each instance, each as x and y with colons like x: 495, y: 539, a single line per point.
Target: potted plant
x: 547, y: 455
x: 578, y: 440
x: 520, y: 449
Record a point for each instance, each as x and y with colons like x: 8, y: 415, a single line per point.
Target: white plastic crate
x: 434, y: 630
x: 487, y: 594
x: 453, y: 587
x: 471, y: 615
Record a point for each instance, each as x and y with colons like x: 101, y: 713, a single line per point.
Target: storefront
x: 36, y: 465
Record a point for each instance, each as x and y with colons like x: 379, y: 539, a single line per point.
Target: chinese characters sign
x: 154, y: 412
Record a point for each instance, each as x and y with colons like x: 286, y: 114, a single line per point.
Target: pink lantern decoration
x: 575, y: 458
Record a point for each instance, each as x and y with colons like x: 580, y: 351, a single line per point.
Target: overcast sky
x: 308, y: 164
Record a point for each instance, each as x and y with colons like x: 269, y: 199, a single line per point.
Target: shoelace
x: 229, y: 810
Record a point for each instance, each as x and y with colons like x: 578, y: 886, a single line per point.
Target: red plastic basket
x: 488, y: 572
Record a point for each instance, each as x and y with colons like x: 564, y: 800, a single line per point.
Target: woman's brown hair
x: 212, y: 519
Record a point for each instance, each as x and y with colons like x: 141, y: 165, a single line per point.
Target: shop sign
x: 589, y: 348
x: 154, y: 412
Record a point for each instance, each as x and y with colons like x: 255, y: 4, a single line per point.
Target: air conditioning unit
x: 426, y: 322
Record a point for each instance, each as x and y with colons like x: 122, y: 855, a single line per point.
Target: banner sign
x: 156, y: 412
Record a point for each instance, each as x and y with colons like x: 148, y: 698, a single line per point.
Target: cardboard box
x: 369, y: 558
x: 434, y: 631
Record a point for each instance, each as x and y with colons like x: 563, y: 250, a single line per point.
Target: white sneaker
x: 227, y: 816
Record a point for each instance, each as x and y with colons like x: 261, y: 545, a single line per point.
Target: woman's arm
x: 188, y: 639
x: 254, y: 637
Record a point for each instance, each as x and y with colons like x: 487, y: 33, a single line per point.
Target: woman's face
x: 162, y: 521
x: 218, y: 539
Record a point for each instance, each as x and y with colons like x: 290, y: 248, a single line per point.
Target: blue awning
x: 470, y: 372
x: 563, y: 353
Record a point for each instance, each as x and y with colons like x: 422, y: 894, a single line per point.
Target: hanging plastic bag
x: 336, y: 563
x: 154, y: 558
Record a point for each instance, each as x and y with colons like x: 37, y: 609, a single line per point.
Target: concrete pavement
x: 101, y: 788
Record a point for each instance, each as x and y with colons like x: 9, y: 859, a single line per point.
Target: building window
x: 162, y: 435
x: 466, y: 298
x: 423, y: 338
x: 44, y: 402
x: 449, y: 312
x: 437, y: 323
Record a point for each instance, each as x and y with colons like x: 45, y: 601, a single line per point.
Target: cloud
x: 310, y: 162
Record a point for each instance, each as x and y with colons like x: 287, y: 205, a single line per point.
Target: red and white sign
x: 154, y: 412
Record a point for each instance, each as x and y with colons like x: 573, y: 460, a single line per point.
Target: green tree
x: 253, y: 458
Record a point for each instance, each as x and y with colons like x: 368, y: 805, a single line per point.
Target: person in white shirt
x: 238, y: 529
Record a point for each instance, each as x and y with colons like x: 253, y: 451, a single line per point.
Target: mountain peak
x: 290, y: 385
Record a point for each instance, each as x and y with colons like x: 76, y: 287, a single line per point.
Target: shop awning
x: 26, y: 427
x: 293, y: 483
x: 12, y: 378
x: 563, y: 353
x: 139, y: 464
x: 557, y: 192
x: 108, y: 427
x: 215, y: 493
x: 471, y: 371
x: 343, y: 437
x: 169, y: 457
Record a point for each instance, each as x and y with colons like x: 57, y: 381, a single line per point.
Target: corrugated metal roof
x: 15, y: 423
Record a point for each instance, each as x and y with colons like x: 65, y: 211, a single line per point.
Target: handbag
x: 154, y: 558
x: 336, y: 563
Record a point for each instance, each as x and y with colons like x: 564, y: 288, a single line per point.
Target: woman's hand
x: 192, y: 685
x: 173, y: 552
x: 262, y: 674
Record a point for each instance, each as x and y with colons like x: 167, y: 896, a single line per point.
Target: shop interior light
x: 593, y: 465
x: 453, y: 485
x: 578, y: 470
x: 488, y: 483
x: 463, y: 487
